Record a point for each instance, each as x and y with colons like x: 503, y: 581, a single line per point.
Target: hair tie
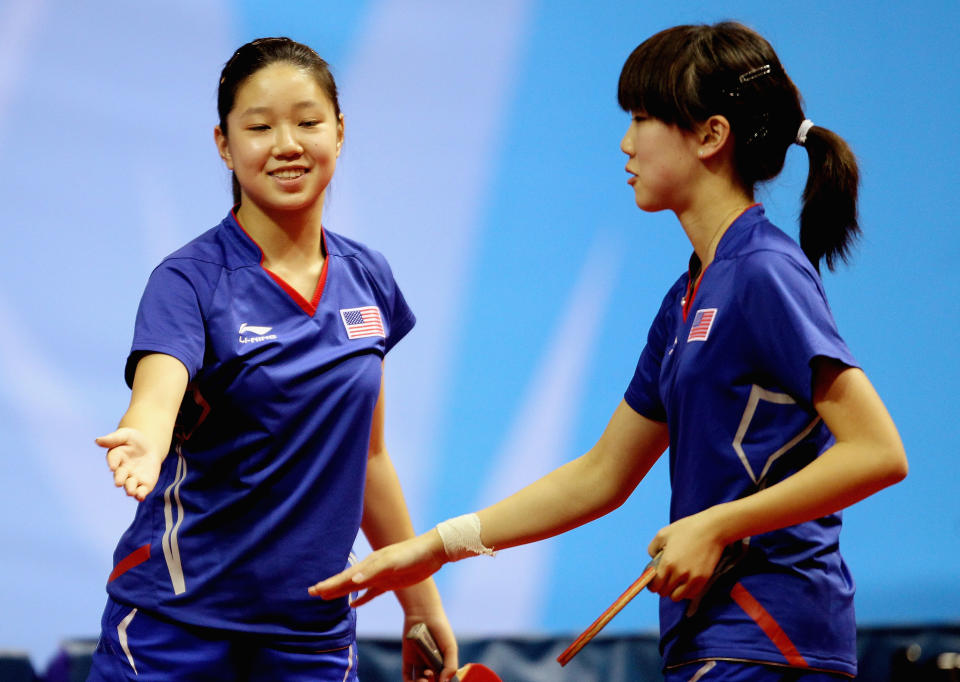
x: 803, y: 130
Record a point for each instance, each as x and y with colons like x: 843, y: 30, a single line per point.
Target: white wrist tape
x: 461, y: 537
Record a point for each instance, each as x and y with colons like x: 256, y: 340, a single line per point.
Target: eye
x: 639, y: 118
x: 259, y: 127
x: 310, y: 123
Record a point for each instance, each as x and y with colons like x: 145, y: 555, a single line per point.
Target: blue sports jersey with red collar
x: 261, y: 494
x: 730, y: 373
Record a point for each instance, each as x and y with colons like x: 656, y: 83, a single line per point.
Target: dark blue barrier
x: 890, y: 654
x: 15, y: 666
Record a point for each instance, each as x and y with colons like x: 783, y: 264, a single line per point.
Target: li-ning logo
x: 253, y: 334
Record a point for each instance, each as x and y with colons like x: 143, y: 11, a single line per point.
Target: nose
x: 626, y: 144
x: 285, y: 143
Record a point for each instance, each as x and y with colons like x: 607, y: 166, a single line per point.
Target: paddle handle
x: 648, y: 573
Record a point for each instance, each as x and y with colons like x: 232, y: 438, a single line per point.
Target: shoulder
x: 358, y: 254
x: 767, y: 255
x: 205, y: 258
x: 187, y: 279
x: 777, y: 281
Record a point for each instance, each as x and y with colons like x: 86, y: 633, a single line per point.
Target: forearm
x: 581, y: 490
x: 137, y: 448
x: 565, y: 498
x: 866, y: 457
x: 158, y: 388
x: 841, y: 476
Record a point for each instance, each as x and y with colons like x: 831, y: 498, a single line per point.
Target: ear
x: 713, y: 136
x: 221, y: 139
x: 339, y: 134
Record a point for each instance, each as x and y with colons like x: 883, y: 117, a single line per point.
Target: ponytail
x: 828, y: 217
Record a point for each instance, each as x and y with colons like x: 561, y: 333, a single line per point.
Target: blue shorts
x: 735, y: 671
x: 138, y: 647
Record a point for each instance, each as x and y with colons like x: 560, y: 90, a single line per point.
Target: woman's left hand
x: 413, y: 663
x: 691, y: 548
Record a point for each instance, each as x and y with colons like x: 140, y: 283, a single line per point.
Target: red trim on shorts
x: 134, y: 558
x: 770, y: 627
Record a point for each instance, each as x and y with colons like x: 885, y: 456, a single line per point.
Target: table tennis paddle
x: 648, y: 573
x: 420, y: 635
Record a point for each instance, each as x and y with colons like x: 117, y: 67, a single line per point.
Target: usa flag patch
x: 702, y: 323
x: 362, y: 322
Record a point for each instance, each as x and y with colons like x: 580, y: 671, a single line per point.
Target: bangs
x: 658, y: 78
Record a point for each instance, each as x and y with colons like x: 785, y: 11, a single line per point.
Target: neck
x: 706, y: 223
x: 285, y: 237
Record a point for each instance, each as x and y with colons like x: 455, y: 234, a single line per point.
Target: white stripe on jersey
x: 346, y: 674
x: 756, y: 395
x: 171, y: 545
x: 122, y: 636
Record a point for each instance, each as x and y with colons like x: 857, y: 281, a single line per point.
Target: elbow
x: 594, y: 490
x: 895, y: 467
x: 902, y: 468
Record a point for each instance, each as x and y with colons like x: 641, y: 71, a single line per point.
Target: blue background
x: 482, y: 158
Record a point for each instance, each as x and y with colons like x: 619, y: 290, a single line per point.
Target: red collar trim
x: 309, y: 307
x: 688, y: 299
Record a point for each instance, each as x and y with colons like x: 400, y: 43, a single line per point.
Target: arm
x: 577, y: 492
x: 385, y: 521
x: 138, y: 447
x: 867, y: 457
x: 582, y: 490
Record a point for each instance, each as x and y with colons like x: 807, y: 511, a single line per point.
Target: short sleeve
x: 399, y: 317
x: 643, y: 392
x: 789, y: 321
x: 169, y: 319
x: 402, y: 318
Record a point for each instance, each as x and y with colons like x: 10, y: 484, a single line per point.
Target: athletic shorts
x: 138, y: 647
x: 733, y: 671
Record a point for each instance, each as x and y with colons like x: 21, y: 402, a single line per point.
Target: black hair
x: 253, y: 56
x: 684, y: 75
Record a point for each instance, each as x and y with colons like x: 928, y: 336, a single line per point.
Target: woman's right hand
x: 390, y: 568
x: 135, y: 465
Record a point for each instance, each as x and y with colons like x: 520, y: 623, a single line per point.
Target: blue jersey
x: 261, y: 494
x: 728, y: 367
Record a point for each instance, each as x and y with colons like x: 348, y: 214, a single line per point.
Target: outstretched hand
x: 389, y: 568
x: 135, y: 466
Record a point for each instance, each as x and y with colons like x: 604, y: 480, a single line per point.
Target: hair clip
x: 758, y: 72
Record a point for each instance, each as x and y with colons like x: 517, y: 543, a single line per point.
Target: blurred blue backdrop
x: 482, y: 158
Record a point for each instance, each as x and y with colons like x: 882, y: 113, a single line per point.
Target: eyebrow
x: 305, y: 104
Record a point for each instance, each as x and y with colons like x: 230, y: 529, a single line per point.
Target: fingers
x: 657, y: 544
x: 417, y: 673
x: 367, y: 596
x: 339, y: 585
x: 131, y: 485
x: 688, y: 589
x: 142, y: 491
x: 124, y: 478
x: 114, y: 438
x: 676, y: 583
x: 449, y: 666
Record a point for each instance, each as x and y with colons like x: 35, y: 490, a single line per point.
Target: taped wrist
x: 461, y: 537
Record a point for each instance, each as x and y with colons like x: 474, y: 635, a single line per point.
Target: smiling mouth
x: 289, y: 174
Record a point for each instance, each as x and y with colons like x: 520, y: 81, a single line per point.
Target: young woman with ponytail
x: 772, y: 427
